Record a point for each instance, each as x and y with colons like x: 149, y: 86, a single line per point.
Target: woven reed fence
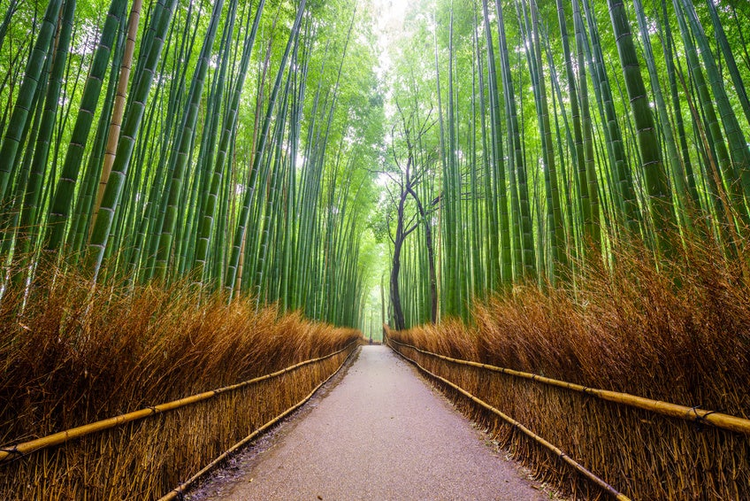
x: 641, y: 448
x: 148, y: 453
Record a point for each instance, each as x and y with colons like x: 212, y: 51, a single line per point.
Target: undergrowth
x: 677, y: 332
x: 74, y: 355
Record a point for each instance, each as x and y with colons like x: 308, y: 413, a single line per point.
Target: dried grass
x: 76, y: 356
x: 679, y: 333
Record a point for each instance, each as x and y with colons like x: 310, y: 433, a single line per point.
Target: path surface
x: 381, y: 433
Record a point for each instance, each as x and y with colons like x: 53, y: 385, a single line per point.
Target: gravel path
x: 380, y: 433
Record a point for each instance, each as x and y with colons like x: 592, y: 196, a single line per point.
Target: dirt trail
x: 380, y: 433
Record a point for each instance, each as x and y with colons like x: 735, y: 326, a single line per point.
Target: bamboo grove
x: 220, y: 141
x: 530, y: 137
x: 260, y: 147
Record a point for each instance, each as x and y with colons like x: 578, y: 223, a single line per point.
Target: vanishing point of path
x: 381, y: 433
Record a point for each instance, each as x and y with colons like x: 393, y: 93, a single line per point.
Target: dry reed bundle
x: 76, y: 356
x: 636, y: 330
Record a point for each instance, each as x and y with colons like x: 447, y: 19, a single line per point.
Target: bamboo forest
x: 543, y: 205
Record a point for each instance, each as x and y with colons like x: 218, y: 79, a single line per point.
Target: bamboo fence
x: 637, y: 443
x: 536, y: 438
x: 699, y: 416
x: 132, y: 457
x: 180, y: 489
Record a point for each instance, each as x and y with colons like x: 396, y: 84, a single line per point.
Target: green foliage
x: 307, y: 193
x: 525, y: 165
x: 571, y: 159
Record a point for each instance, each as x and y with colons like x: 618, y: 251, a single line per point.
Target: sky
x: 391, y: 15
x: 391, y: 8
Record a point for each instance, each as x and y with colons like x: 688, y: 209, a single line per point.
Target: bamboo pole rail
x: 516, y: 424
x: 9, y: 453
x: 717, y: 419
x: 177, y: 491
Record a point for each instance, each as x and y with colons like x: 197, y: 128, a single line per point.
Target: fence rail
x: 8, y: 454
x: 516, y: 424
x: 184, y: 486
x: 700, y: 416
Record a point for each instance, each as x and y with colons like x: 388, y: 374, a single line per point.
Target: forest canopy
x: 320, y: 153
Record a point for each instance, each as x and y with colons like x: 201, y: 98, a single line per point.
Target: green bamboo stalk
x: 738, y: 145
x: 118, y: 111
x: 500, y: 262
x: 592, y: 227
x: 555, y: 230
x: 729, y: 59
x: 30, y: 223
x: 667, y: 44
x: 715, y: 136
x: 22, y: 107
x: 660, y: 198
x: 85, y: 199
x: 161, y: 20
x: 584, y: 199
x: 231, y: 274
x: 64, y: 194
x: 683, y: 203
x: 184, y: 141
x: 230, y: 118
x: 519, y: 187
x: 18, y: 236
x: 625, y: 194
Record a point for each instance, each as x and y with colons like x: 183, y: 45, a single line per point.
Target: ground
x: 378, y: 431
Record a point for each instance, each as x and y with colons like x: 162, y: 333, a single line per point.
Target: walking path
x: 380, y: 433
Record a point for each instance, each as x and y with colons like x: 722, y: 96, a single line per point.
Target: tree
x: 407, y: 176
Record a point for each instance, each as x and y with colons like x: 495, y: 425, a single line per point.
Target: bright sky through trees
x: 390, y: 17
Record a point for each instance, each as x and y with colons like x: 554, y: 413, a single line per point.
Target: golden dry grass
x: 680, y: 333
x: 75, y: 356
